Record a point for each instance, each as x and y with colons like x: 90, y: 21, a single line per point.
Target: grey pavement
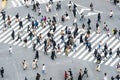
x: 55, y: 68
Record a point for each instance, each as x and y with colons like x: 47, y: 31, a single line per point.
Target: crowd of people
x: 69, y: 44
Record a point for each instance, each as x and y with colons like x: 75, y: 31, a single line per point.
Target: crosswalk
x: 81, y: 52
x: 20, y: 3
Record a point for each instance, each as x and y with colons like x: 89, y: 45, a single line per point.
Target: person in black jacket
x: 13, y: 35
x: 37, y: 55
x: 20, y: 24
x: 38, y: 76
x: 2, y: 72
x: 85, y: 72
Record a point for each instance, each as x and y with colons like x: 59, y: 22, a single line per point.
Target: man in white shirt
x: 105, y: 76
x: 44, y: 69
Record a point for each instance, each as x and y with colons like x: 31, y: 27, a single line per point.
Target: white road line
x: 114, y: 62
x: 90, y: 53
x: 111, y: 45
x: 14, y: 4
x: 81, y: 50
x: 94, y: 46
x: 24, y: 27
x: 5, y: 36
x: 18, y: 2
x: 108, y: 61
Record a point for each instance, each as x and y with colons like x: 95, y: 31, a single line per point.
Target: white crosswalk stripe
x: 20, y: 3
x: 81, y: 51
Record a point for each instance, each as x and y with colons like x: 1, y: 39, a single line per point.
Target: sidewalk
x: 3, y: 4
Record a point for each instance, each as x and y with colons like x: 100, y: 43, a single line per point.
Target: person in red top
x: 65, y: 75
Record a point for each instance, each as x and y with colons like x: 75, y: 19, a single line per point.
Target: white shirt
x: 44, y: 68
x: 10, y: 49
x: 105, y: 78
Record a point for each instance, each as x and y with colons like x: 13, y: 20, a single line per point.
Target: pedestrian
x: 62, y: 36
x: 115, y: 2
x: 69, y: 5
x: 37, y: 55
x: 91, y: 6
x: 112, y: 78
x: 50, y: 78
x: 25, y: 65
x: 117, y: 77
x: 118, y: 53
x: 89, y: 22
x: 19, y: 37
x: 95, y: 53
x: 65, y: 75
x: 105, y: 76
x: 105, y: 26
x: 118, y: 67
x: 70, y: 72
x: 26, y: 78
x: 80, y: 75
x: 99, y: 17
x: 9, y: 21
x: 29, y: 17
x: 43, y: 69
x: 111, y: 13
x: 36, y: 24
x: 2, y: 72
x: 10, y: 50
x: 39, y: 11
x: 34, y: 65
x: 119, y: 35
x: 34, y: 46
x: 34, y: 7
x: 98, y: 67
x: 38, y: 76
x: 25, y: 42
x: 20, y: 24
x: 58, y: 48
x: 85, y: 72
x: 74, y: 13
x: 17, y: 17
x: 3, y: 15
x: 13, y: 34
x: 81, y: 38
x: 53, y: 54
x: 110, y: 52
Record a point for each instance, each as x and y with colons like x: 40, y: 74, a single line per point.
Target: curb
x: 3, y: 5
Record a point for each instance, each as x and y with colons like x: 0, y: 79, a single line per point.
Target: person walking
x: 10, y: 50
x: 20, y: 24
x: 117, y: 77
x: 37, y: 55
x: 118, y: 53
x: 85, y: 72
x: 53, y: 54
x: 65, y: 75
x: 91, y: 6
x: 99, y: 17
x: 38, y: 76
x: 119, y: 35
x: 13, y: 35
x: 70, y: 72
x: 26, y: 78
x: 2, y: 72
x: 89, y: 22
x: 19, y: 37
x: 17, y: 17
x: 111, y: 13
x: 80, y: 75
x: 3, y: 15
x: 25, y: 65
x: 43, y: 69
x: 105, y: 76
